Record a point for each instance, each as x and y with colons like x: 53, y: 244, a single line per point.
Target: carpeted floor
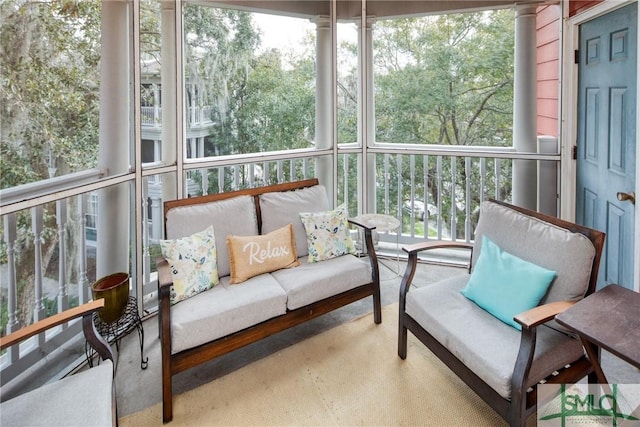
x: 350, y: 375
x: 338, y: 369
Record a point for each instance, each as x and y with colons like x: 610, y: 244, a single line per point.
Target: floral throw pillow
x: 327, y: 234
x: 193, y: 264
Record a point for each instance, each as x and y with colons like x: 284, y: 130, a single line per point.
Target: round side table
x: 383, y: 224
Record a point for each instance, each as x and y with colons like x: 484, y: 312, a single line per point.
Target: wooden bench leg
x: 402, y: 339
x: 167, y: 394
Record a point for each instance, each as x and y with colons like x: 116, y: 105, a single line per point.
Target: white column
x: 524, y: 106
x: 114, y: 202
x: 169, y: 96
x: 324, y: 103
x: 368, y: 137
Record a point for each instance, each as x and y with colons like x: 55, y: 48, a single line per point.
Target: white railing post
x: 467, y: 202
x: 496, y: 165
x: 221, y: 179
x: 205, y: 182
x: 12, y: 288
x: 399, y: 183
x: 454, y: 208
x: 37, y: 225
x: 146, y: 257
x: 157, y: 214
x: 157, y: 119
x: 83, y: 281
x: 483, y: 173
x: 61, y: 219
x: 439, y: 172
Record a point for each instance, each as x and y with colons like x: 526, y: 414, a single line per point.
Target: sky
x: 281, y: 31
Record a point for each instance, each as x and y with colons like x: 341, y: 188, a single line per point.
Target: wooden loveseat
x: 84, y: 399
x: 230, y: 315
x: 458, y: 318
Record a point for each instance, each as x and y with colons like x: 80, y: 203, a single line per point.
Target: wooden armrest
x: 50, y: 322
x: 359, y: 224
x: 436, y: 244
x: 164, y: 273
x: 542, y: 313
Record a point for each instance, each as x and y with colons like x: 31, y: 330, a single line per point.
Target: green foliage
x: 49, y: 98
x: 445, y: 79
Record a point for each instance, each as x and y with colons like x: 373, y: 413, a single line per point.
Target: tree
x: 49, y: 102
x: 49, y: 53
x: 445, y: 80
x: 260, y: 103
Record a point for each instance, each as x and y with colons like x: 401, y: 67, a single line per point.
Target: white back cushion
x: 569, y: 254
x: 235, y: 216
x: 282, y: 208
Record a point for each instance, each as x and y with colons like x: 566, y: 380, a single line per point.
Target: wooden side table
x: 609, y: 319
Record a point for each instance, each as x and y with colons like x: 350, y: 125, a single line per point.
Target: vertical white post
x: 324, y: 104
x: 83, y: 281
x: 548, y: 177
x: 170, y: 105
x: 12, y: 287
x: 204, y: 175
x: 37, y: 226
x: 156, y: 214
x: 369, y: 124
x: 146, y: 263
x: 61, y: 218
x: 157, y: 120
x: 524, y: 106
x: 114, y: 202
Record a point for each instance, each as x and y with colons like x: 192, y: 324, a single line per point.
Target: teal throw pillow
x: 505, y: 285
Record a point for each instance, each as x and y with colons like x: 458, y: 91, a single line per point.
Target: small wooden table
x: 609, y: 319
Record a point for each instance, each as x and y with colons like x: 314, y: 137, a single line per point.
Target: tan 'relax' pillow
x: 253, y: 255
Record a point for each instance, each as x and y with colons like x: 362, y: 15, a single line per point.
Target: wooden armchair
x: 83, y: 399
x: 499, y: 362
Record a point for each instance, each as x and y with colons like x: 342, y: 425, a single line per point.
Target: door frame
x: 569, y: 116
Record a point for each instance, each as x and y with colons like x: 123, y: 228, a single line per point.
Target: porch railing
x: 435, y: 193
x: 198, y: 116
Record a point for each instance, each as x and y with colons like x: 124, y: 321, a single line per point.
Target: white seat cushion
x: 483, y: 343
x: 225, y: 309
x: 84, y: 399
x: 311, y: 282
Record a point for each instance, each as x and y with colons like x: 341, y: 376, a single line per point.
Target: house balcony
x: 198, y: 117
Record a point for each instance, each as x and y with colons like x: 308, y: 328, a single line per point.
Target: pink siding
x: 548, y: 68
x: 577, y: 6
x: 548, y: 22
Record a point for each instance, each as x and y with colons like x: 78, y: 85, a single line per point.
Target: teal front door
x: 606, y: 144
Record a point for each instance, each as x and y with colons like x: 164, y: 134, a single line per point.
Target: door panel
x: 607, y: 137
